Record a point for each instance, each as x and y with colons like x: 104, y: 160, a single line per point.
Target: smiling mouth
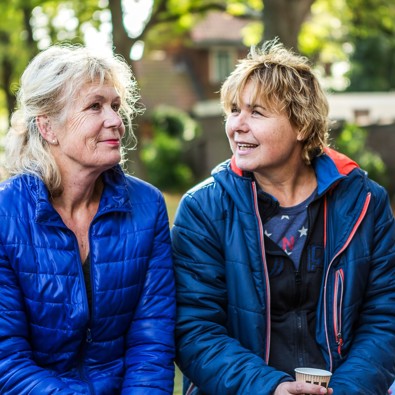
x: 244, y: 146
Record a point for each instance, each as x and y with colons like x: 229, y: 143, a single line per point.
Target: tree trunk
x: 283, y: 19
x: 122, y: 45
x: 122, y: 42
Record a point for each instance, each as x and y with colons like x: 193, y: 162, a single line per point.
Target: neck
x: 289, y: 188
x: 77, y: 205
x: 78, y: 192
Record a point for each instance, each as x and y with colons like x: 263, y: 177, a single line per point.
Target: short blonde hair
x: 284, y: 82
x: 52, y: 80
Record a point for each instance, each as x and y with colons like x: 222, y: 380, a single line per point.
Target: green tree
x: 319, y: 28
x: 170, y: 19
x: 17, y: 46
x: 33, y: 24
x: 30, y: 25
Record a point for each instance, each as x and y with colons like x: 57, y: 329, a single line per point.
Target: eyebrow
x: 96, y: 96
x: 256, y: 106
x: 250, y: 106
x: 93, y: 96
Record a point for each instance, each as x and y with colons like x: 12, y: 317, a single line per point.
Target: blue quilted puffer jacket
x: 50, y: 343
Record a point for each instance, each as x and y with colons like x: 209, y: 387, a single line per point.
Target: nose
x: 112, y: 119
x: 237, y: 123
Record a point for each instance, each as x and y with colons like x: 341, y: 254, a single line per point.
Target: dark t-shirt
x: 86, y: 267
x: 294, y: 288
x: 288, y: 228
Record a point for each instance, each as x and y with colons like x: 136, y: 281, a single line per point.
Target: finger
x: 305, y: 388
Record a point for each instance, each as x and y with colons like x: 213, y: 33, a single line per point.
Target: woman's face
x: 90, y: 138
x: 262, y: 141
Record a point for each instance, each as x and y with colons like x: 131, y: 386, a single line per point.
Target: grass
x: 178, y: 383
x: 172, y: 201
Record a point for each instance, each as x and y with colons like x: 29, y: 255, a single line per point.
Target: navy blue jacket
x: 223, y: 290
x: 50, y: 343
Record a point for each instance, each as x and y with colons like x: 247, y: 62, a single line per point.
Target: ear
x: 45, y: 129
x: 299, y: 137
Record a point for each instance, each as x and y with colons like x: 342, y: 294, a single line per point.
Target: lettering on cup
x: 323, y: 384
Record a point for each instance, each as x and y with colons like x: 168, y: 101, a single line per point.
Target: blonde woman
x: 87, y: 290
x: 285, y: 256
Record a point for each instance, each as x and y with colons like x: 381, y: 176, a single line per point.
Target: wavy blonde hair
x: 52, y: 80
x: 284, y: 82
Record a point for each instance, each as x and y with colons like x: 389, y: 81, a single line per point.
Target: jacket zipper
x: 337, y: 309
x: 347, y: 242
x: 190, y: 389
x: 88, y: 333
x: 268, y: 312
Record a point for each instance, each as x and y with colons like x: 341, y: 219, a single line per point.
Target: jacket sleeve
x: 370, y: 364
x: 19, y: 374
x: 150, y: 342
x: 207, y: 355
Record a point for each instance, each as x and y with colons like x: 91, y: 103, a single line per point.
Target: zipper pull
x: 339, y: 341
x: 88, y: 336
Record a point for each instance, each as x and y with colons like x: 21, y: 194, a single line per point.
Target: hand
x: 299, y: 387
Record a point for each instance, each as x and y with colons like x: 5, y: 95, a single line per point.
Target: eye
x: 116, y: 106
x: 234, y: 109
x: 95, y: 106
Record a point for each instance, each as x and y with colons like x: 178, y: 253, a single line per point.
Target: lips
x: 111, y: 141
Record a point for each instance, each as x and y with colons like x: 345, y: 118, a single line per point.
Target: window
x: 222, y: 62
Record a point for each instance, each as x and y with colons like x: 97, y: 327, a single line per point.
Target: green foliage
x: 163, y: 154
x: 171, y: 20
x: 252, y: 34
x: 352, y: 142
x: 372, y: 65
x: 321, y: 34
x: 371, y: 31
x: 30, y: 25
x: 353, y: 41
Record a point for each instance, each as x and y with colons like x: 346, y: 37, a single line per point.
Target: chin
x: 242, y: 165
x: 110, y: 165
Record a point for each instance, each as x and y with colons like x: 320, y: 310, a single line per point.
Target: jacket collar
x: 114, y: 197
x: 330, y: 168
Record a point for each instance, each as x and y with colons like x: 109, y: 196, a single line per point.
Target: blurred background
x: 182, y: 50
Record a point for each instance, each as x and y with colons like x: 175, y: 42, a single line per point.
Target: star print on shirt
x: 285, y: 217
x: 267, y: 233
x: 303, y: 231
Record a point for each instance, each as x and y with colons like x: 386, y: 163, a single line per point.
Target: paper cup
x: 313, y: 376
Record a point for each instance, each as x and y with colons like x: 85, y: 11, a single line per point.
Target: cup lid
x: 313, y: 371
